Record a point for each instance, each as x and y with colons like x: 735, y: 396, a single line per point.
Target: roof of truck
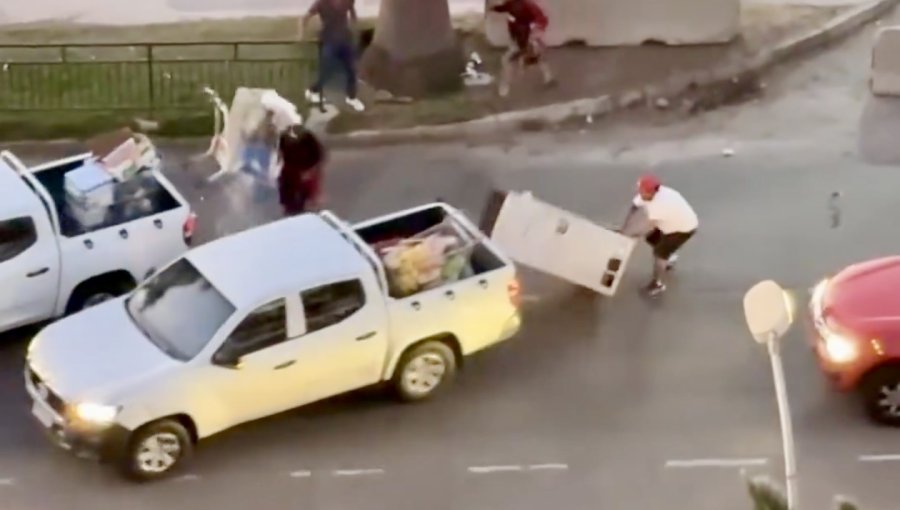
x: 17, y: 197
x: 288, y: 255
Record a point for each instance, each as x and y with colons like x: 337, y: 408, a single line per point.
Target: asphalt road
x: 614, y: 403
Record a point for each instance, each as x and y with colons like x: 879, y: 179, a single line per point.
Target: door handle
x: 367, y: 336
x: 38, y: 272
x: 285, y: 364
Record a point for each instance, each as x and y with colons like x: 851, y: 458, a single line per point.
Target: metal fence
x: 151, y: 77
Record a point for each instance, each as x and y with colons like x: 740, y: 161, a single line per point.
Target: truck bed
x: 155, y: 199
x: 482, y: 259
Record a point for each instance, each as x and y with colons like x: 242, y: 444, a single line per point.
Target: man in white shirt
x: 671, y: 221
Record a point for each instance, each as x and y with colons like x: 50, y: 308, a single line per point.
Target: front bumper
x: 103, y: 444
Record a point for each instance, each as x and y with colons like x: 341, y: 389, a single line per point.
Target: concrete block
x: 885, y: 75
x: 629, y: 22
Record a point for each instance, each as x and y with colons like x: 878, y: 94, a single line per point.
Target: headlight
x: 840, y: 349
x: 96, y: 413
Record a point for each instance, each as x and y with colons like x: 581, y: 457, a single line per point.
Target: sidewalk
x: 591, y: 81
x: 590, y: 72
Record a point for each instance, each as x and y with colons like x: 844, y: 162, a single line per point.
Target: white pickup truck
x: 257, y: 323
x: 51, y: 265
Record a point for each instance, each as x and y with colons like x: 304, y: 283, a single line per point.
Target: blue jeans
x: 333, y: 58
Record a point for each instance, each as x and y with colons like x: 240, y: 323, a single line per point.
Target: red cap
x: 649, y: 183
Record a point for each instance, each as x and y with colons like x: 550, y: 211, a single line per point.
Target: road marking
x: 187, y: 478
x: 357, y: 472
x: 703, y: 463
x: 548, y: 467
x: 879, y: 458
x: 530, y: 298
x: 7, y: 481
x: 481, y: 470
x: 301, y: 474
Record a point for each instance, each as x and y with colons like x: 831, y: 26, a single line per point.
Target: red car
x: 855, y: 316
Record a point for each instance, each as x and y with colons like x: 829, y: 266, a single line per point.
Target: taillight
x: 187, y: 230
x: 514, y: 289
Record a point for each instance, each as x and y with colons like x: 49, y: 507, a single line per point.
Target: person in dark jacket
x: 526, y: 23
x: 300, y: 181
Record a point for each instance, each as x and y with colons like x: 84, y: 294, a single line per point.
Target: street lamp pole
x: 784, y: 414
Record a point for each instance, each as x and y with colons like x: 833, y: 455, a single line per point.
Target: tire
x: 877, y: 388
x: 423, y: 371
x: 156, y: 450
x: 93, y: 293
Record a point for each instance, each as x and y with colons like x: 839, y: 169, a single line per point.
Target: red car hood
x: 865, y: 297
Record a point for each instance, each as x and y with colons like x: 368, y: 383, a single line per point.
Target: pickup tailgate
x: 557, y: 242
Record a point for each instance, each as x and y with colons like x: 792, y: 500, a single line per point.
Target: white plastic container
x: 90, y: 186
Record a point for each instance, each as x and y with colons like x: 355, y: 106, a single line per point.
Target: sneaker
x: 356, y: 104
x: 313, y: 96
x: 670, y: 264
x: 655, y: 288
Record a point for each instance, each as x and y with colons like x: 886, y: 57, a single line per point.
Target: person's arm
x: 353, y: 17
x: 633, y: 210
x: 304, y: 21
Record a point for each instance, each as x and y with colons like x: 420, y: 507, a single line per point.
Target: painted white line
x: 530, y: 298
x: 7, y: 481
x: 187, y: 478
x: 481, y: 470
x: 704, y: 463
x: 357, y: 472
x: 548, y: 467
x: 301, y: 474
x: 880, y: 458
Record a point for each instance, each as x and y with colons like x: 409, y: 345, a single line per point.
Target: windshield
x: 179, y: 310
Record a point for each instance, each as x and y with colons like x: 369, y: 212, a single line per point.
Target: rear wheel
x: 155, y: 450
x: 881, y: 395
x: 424, y: 370
x: 92, y: 293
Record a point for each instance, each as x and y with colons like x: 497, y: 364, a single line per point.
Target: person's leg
x: 663, y: 253
x: 508, y: 68
x: 326, y: 71
x: 348, y: 62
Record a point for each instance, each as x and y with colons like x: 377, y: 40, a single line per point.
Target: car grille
x: 53, y: 400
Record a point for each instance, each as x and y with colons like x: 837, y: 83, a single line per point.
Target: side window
x: 330, y: 304
x: 16, y: 236
x: 263, y: 328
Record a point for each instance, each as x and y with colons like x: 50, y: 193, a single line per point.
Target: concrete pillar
x: 629, y: 22
x: 885, y: 75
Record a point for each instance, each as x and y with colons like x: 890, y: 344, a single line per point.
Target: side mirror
x: 769, y: 311
x: 227, y: 359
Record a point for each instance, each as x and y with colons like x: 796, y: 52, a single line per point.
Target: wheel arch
x: 109, y: 278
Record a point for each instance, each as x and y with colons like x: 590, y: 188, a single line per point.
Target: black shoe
x: 655, y: 288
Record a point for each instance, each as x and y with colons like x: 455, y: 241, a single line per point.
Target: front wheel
x: 155, y: 450
x: 881, y: 395
x: 423, y: 370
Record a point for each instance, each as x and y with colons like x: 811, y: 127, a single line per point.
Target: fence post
x: 151, y: 88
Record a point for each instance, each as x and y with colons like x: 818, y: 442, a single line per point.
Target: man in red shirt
x: 527, y: 23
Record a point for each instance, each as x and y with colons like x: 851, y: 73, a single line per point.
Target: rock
x: 662, y: 103
x: 728, y: 152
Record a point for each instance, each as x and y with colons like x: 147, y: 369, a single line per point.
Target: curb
x: 839, y: 27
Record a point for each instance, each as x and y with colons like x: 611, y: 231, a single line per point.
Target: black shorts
x: 665, y: 245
